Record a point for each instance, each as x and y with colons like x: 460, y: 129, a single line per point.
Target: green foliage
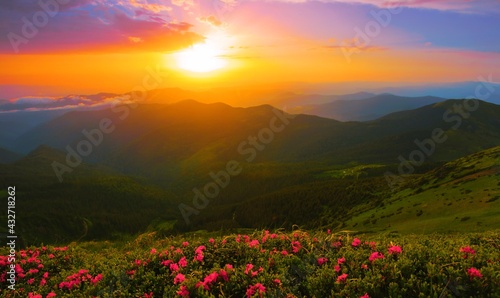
x: 458, y: 196
x: 262, y: 264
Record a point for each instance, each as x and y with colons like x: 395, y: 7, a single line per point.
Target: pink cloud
x: 92, y: 27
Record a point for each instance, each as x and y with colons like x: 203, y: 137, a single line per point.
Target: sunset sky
x: 91, y: 46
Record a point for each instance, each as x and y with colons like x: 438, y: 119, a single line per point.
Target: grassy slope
x: 460, y: 196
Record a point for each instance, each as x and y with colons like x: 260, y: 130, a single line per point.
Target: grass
x: 461, y: 196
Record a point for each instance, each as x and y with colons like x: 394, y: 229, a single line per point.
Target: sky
x: 60, y: 47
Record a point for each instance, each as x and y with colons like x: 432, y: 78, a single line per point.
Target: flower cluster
x: 262, y: 264
x: 74, y: 281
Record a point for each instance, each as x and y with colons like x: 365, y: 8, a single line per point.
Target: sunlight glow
x: 201, y: 58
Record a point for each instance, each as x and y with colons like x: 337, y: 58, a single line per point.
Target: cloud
x: 85, y: 25
x: 152, y: 7
x: 183, y: 3
x: 212, y: 20
x: 33, y: 103
x: 464, y: 6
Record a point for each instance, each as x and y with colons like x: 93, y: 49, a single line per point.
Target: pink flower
x: 211, y: 278
x: 467, y: 250
x: 342, y: 277
x: 183, y: 291
x: 356, y: 242
x: 211, y: 240
x: 364, y: 266
x: 43, y: 282
x: 31, y: 295
x: 337, y: 268
x: 97, y: 278
x: 131, y: 272
x: 473, y: 272
x: 46, y: 275
x: 365, y: 296
x: 394, y: 250
x: 199, y: 253
x: 296, y: 246
x: 179, y: 278
x: 185, y: 244
x: 146, y: 295
x: 153, y: 251
x: 174, y: 267
x: 321, y: 261
x: 223, y: 274
x: 199, y: 258
x: 248, y: 268
x: 277, y: 281
x: 183, y: 262
x: 376, y: 255
x: 258, y: 288
x: 30, y: 281
x: 51, y: 294
x: 253, y: 243
x: 341, y: 261
x: 284, y: 252
x: 202, y: 284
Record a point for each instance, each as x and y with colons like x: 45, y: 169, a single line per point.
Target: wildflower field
x: 260, y: 264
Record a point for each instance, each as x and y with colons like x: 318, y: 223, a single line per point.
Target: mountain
x: 221, y: 166
x: 94, y: 202
x: 168, y: 140
x: 13, y: 125
x: 366, y: 109
x: 488, y: 90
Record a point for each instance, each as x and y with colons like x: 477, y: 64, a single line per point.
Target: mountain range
x: 101, y: 164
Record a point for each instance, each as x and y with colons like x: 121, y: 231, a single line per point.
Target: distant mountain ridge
x: 168, y: 136
x: 366, y: 109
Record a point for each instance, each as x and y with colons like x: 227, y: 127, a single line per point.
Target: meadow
x: 261, y: 264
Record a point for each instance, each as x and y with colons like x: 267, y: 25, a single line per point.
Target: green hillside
x: 460, y: 196
x: 93, y: 202
x: 313, y: 172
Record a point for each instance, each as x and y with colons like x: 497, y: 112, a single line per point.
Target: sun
x: 201, y: 58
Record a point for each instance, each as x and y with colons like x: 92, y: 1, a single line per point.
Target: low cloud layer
x: 33, y: 103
